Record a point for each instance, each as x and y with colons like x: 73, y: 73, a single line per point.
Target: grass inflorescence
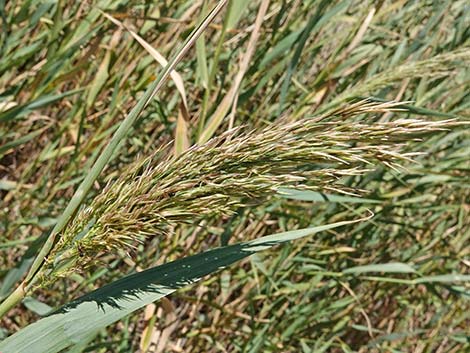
x: 157, y: 193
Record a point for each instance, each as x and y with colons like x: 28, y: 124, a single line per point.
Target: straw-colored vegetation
x: 134, y: 134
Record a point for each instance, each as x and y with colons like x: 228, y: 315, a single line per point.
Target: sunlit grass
x: 68, y: 78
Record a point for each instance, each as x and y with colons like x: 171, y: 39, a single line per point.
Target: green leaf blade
x: 71, y: 324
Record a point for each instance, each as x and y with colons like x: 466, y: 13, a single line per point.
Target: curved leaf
x: 76, y: 321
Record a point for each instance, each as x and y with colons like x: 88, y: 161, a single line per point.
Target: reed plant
x: 338, y: 129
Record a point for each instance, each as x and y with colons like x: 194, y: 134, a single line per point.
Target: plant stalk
x: 13, y: 299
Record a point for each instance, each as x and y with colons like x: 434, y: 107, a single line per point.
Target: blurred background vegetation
x: 68, y: 75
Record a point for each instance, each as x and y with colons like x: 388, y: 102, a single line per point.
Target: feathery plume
x: 231, y: 171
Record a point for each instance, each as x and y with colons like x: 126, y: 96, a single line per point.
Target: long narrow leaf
x: 79, y: 319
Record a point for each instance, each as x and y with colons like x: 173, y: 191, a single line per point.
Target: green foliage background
x: 68, y: 76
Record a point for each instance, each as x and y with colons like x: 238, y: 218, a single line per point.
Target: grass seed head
x: 228, y: 172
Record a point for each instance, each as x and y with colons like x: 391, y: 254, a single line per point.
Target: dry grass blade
x: 221, y: 111
x: 181, y: 133
x: 175, y: 76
